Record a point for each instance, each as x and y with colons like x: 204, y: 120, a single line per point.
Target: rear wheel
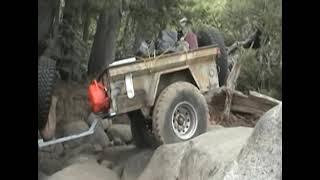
x: 181, y: 113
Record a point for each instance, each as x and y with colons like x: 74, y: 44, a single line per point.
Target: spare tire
x: 211, y: 36
x: 46, y: 81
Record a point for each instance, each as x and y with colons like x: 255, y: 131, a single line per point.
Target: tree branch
x: 245, y: 42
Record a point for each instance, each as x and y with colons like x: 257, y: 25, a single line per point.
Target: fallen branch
x: 245, y: 42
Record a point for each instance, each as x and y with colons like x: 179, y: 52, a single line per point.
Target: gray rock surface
x: 85, y: 171
x: 199, y: 158
x: 42, y: 176
x: 82, y: 158
x: 261, y: 157
x: 136, y: 164
x: 239, y: 153
x: 71, y: 128
x: 121, y: 132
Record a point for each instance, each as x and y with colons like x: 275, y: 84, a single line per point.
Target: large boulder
x: 81, y: 158
x: 121, y: 132
x: 224, y: 154
x: 42, y: 176
x: 136, y: 164
x: 261, y: 157
x: 198, y: 158
x: 85, y: 171
x: 72, y: 128
x: 99, y: 137
x: 49, y: 158
x: 118, y: 156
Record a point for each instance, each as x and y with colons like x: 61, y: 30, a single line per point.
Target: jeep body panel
x: 198, y: 66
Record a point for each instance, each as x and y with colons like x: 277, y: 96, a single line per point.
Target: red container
x: 98, y: 98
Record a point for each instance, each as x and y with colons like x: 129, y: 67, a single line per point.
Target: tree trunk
x: 86, y: 27
x: 104, y: 45
x: 230, y: 87
x: 139, y: 37
x: 86, y: 20
x: 45, y: 19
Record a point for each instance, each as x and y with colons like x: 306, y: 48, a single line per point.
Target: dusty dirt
x: 235, y: 119
x: 216, y: 107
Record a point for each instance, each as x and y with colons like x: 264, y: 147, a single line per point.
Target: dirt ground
x: 235, y: 119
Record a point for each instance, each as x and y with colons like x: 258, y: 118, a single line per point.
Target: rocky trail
x: 246, y: 146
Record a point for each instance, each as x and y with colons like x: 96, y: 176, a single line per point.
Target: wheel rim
x: 184, y: 120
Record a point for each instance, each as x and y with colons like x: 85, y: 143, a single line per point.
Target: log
x: 254, y: 104
x: 264, y: 98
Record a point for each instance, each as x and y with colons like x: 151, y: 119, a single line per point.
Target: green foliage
x: 145, y: 18
x: 155, y: 15
x: 237, y: 19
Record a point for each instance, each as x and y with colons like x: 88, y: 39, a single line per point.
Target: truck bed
x: 154, y: 64
x: 149, y: 76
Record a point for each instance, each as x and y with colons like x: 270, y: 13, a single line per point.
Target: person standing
x: 187, y: 34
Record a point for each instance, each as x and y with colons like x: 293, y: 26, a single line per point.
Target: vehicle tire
x: 211, y: 36
x: 46, y: 81
x: 141, y: 129
x: 180, y: 113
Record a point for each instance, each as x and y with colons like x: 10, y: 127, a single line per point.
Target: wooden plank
x: 262, y: 97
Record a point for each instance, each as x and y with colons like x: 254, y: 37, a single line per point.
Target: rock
x: 136, y: 164
x: 75, y: 127
x: 117, y: 141
x: 55, y: 149
x: 42, y: 176
x: 118, y: 169
x: 122, y: 119
x: 107, y: 164
x: 49, y: 158
x: 99, y: 136
x: 198, y: 158
x: 72, y: 128
x: 214, y: 127
x: 121, y: 131
x: 97, y: 148
x: 82, y: 158
x: 73, y: 102
x: 85, y: 148
x: 106, y: 123
x: 50, y: 166
x: 261, y: 157
x: 85, y: 171
x: 119, y: 156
